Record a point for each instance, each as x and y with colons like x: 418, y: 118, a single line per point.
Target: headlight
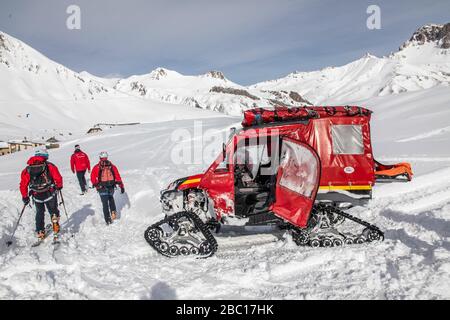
x: 172, y: 201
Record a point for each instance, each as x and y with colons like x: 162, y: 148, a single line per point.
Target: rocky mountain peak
x: 3, y: 39
x: 215, y: 74
x: 437, y: 33
x: 158, y: 73
x: 368, y: 55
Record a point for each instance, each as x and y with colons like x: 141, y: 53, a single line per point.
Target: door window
x: 299, y: 169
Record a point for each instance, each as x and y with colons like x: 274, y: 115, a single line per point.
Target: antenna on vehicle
x: 232, y: 131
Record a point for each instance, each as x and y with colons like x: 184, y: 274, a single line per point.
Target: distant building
x: 21, y: 145
x: 4, y: 148
x: 94, y: 130
x: 52, y: 140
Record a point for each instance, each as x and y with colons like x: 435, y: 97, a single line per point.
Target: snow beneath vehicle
x: 115, y: 262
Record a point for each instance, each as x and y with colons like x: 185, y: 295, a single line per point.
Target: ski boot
x: 41, y: 235
x: 56, y: 228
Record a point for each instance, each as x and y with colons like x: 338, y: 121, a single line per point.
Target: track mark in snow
x: 433, y: 133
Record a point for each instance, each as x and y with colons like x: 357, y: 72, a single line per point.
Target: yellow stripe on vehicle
x: 331, y: 188
x: 191, y: 181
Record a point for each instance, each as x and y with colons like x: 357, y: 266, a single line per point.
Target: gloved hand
x: 122, y: 190
x: 26, y: 200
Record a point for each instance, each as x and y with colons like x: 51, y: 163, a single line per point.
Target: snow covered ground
x: 115, y: 262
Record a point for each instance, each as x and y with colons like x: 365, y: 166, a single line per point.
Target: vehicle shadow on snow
x: 418, y: 246
x: 161, y: 291
x: 78, y: 217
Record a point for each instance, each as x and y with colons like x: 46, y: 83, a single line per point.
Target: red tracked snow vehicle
x: 296, y: 168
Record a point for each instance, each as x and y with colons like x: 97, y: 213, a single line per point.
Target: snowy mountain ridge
x: 34, y: 84
x: 41, y: 98
x: 422, y: 62
x: 211, y: 91
x: 26, y: 74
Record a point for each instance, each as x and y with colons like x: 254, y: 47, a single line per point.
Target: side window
x: 252, y: 156
x: 299, y: 167
x: 347, y: 139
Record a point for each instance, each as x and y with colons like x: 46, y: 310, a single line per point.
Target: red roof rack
x: 259, y: 116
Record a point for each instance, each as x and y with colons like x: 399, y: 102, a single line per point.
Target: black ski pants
x: 52, y: 208
x: 82, y: 180
x: 107, y: 197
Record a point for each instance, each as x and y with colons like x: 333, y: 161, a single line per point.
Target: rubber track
x: 323, y: 207
x: 198, y: 224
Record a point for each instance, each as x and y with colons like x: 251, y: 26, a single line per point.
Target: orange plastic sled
x: 393, y: 171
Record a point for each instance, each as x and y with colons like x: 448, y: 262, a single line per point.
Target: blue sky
x: 249, y: 40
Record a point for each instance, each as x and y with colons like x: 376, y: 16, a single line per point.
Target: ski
x: 48, y: 230
x: 56, y: 237
x: 56, y: 241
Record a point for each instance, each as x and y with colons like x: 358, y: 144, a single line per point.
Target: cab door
x: 297, y: 182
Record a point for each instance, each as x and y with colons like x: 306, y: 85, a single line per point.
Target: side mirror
x: 232, y: 131
x: 224, y: 151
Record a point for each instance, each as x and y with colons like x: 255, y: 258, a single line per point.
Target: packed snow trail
x: 115, y: 262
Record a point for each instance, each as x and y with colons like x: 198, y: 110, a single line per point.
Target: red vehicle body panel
x: 318, y: 136
x: 311, y: 126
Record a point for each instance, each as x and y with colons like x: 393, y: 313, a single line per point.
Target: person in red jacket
x: 104, y: 178
x: 41, y: 180
x: 79, y: 163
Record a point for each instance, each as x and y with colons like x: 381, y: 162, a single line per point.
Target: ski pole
x: 64, y: 205
x: 8, y: 243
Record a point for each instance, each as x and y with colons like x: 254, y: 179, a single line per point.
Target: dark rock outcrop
x: 239, y: 92
x: 158, y: 73
x: 2, y: 41
x: 215, y: 74
x: 139, y: 87
x: 444, y: 35
x: 438, y: 33
x: 298, y: 98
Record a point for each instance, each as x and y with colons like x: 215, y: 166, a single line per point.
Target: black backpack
x: 40, y: 178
